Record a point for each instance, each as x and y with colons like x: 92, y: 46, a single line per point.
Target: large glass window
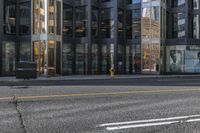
x: 95, y: 62
x: 67, y: 20
x: 133, y: 24
x: 107, y: 23
x: 195, y: 4
x: 67, y: 58
x: 95, y: 22
x: 8, y: 58
x: 151, y: 57
x: 25, y: 18
x: 105, y: 58
x: 183, y: 58
x: 120, y: 58
x: 39, y: 16
x: 81, y: 61
x: 25, y: 51
x: 51, y: 23
x: 36, y: 23
x: 51, y: 56
x: 136, y: 50
x: 42, y: 16
x: 58, y: 17
x: 9, y: 17
x: 155, y: 22
x: 133, y: 1
x: 95, y: 2
x: 80, y: 2
x: 120, y: 23
x: 81, y: 22
x: 129, y: 59
x: 179, y: 25
x: 129, y: 24
x: 179, y: 3
x: 151, y: 37
x: 58, y: 57
x: 196, y: 27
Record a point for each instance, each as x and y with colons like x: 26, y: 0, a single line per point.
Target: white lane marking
x: 193, y: 120
x: 150, y: 120
x: 149, y: 124
x: 140, y: 125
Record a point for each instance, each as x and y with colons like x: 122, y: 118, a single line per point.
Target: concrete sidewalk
x: 96, y: 77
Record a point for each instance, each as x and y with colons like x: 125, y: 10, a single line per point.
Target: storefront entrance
x: 47, y: 56
x: 39, y: 56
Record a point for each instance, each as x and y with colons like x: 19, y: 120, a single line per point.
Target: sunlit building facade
x: 67, y: 37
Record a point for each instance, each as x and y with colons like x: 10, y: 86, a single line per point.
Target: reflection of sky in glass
x: 135, y: 1
x: 181, y: 2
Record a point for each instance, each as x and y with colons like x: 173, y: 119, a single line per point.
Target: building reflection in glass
x: 10, y: 17
x: 150, y: 36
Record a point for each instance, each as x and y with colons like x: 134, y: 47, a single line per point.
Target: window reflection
x: 95, y: 62
x: 150, y: 37
x: 42, y: 16
x: 107, y: 23
x: 120, y: 58
x: 105, y: 58
x: 80, y: 2
x: 133, y: 24
x: 58, y: 17
x: 67, y: 58
x: 179, y: 3
x: 195, y: 4
x: 39, y: 16
x: 133, y: 1
x: 25, y: 51
x: 25, y: 18
x: 95, y: 21
x: 196, y: 26
x: 136, y: 58
x: 129, y: 59
x: 120, y: 23
x: 9, y: 58
x: 179, y: 25
x: 81, y: 61
x: 9, y: 17
x: 36, y: 24
x: 67, y: 20
x: 81, y: 22
x: 51, y: 23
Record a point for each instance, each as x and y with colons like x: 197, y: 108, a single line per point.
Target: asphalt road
x: 100, y: 109
x: 148, y: 81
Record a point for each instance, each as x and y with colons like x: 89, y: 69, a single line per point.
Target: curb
x: 98, y: 78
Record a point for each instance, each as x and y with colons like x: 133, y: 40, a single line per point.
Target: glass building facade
x: 66, y: 37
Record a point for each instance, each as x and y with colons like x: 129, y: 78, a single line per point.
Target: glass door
x: 47, y: 58
x: 52, y: 58
x: 39, y: 56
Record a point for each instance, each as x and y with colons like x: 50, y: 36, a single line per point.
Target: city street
x: 146, y: 105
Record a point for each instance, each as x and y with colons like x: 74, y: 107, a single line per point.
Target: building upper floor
x: 100, y: 18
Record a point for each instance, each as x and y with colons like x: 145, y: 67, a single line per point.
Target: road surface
x: 155, y: 106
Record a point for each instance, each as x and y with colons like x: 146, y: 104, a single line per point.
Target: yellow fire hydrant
x: 112, y: 73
